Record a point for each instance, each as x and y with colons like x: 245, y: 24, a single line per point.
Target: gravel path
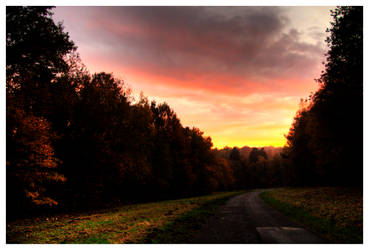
x: 247, y: 219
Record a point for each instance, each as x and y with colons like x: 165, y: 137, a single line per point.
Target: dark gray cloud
x: 246, y: 42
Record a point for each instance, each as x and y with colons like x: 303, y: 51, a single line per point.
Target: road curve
x: 248, y: 219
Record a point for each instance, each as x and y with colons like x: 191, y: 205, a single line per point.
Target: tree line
x: 76, y: 140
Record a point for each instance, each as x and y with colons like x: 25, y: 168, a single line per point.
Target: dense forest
x: 77, y: 140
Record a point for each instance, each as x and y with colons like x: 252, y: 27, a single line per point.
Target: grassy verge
x: 181, y: 230
x: 171, y: 221
x: 334, y: 213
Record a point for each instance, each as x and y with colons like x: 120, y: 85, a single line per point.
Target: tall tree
x: 35, y: 51
x: 35, y: 45
x: 338, y: 105
x: 331, y: 127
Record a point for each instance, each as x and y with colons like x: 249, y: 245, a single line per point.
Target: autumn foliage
x: 32, y: 162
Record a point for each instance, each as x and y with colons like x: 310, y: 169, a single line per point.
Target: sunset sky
x: 236, y: 73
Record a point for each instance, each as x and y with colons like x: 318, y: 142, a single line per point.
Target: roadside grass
x: 171, y: 221
x: 335, y: 213
x: 177, y: 231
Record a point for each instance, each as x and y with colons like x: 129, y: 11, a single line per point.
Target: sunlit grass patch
x: 335, y: 213
x: 128, y: 224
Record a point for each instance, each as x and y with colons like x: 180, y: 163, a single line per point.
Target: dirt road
x: 247, y: 219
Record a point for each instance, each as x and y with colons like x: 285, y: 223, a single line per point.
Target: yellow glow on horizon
x: 219, y: 141
x: 249, y: 143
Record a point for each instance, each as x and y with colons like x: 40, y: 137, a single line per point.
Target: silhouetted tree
x: 35, y: 50
x: 338, y: 106
x: 235, y: 155
x: 327, y: 136
x: 256, y: 153
x: 299, y: 152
